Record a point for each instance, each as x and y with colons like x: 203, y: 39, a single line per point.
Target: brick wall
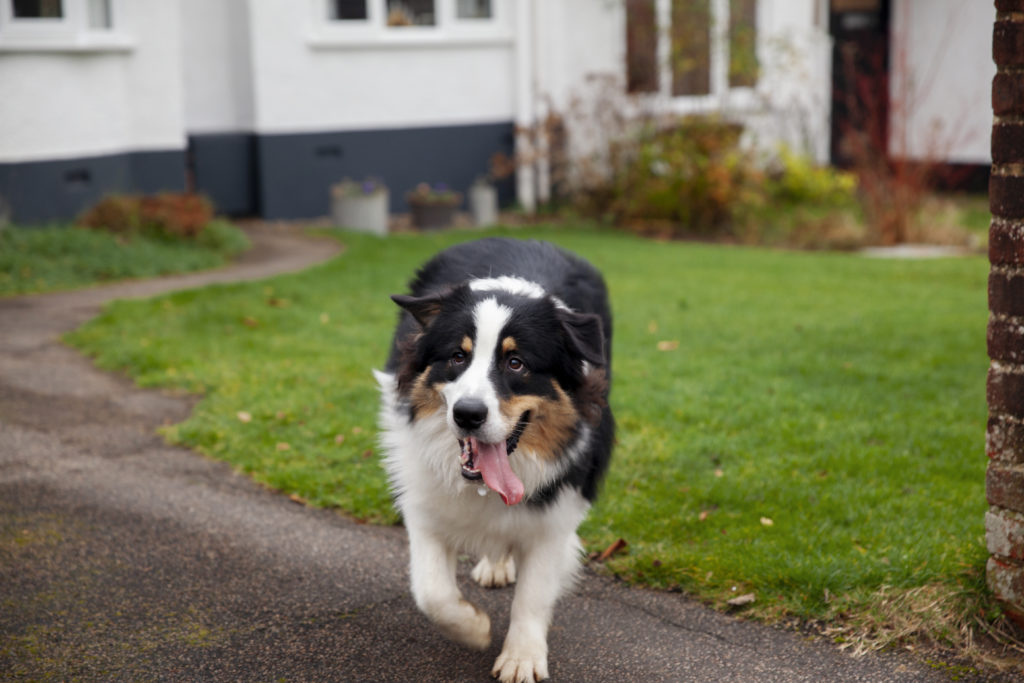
x: 1004, y: 482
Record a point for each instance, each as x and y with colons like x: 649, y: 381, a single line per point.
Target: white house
x: 262, y: 104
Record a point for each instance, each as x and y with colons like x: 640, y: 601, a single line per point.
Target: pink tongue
x: 492, y: 460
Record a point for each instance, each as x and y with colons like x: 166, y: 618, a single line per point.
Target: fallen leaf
x: 615, y: 547
x: 295, y: 498
x: 741, y: 600
x: 368, y: 453
x: 277, y: 303
x: 243, y: 416
x: 719, y: 472
x: 280, y: 415
x: 668, y: 345
x: 339, y: 439
x: 357, y: 430
x: 249, y: 321
x: 324, y: 318
x: 703, y: 515
x: 282, y: 446
x: 767, y: 521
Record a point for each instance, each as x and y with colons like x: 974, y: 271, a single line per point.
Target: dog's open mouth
x: 489, y: 461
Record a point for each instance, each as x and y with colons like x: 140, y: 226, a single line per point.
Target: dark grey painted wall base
x: 296, y: 171
x: 272, y: 176
x: 289, y: 176
x: 38, y: 192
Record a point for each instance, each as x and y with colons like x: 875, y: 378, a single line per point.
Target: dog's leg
x: 495, y: 574
x: 432, y: 570
x: 545, y: 571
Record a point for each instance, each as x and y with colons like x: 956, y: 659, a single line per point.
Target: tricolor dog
x: 497, y: 431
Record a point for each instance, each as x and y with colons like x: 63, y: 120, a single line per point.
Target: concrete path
x: 122, y: 558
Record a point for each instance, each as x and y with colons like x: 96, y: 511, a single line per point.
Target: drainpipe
x: 526, y: 183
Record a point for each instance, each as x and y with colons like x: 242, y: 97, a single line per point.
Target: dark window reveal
x: 38, y: 9
x: 347, y: 10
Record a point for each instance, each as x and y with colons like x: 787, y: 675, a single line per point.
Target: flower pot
x: 432, y: 216
x: 483, y: 204
x: 362, y: 212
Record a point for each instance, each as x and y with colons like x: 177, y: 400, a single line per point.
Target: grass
x: 806, y: 427
x: 63, y: 257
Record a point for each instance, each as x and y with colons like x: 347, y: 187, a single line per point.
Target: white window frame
x: 69, y: 33
x: 721, y: 95
x: 373, y: 32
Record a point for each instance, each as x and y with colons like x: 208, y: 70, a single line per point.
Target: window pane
x: 691, y: 47
x: 344, y: 10
x: 473, y: 9
x: 641, y: 46
x: 99, y: 14
x: 38, y: 9
x: 411, y: 13
x: 743, y: 66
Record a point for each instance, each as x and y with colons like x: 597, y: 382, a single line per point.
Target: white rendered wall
x: 792, y: 101
x: 310, y: 75
x: 942, y: 71
x: 217, y: 65
x: 67, y: 101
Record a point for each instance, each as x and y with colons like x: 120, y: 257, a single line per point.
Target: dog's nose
x: 469, y: 413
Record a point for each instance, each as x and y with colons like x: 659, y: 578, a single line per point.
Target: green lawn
x: 36, y: 260
x: 807, y: 427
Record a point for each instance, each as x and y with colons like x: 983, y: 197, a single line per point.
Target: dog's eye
x: 458, y: 358
x: 515, y: 364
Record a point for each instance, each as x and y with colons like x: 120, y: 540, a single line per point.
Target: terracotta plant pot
x: 432, y: 216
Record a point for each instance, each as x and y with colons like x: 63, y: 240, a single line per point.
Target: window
x: 411, y: 13
x: 360, y: 24
x: 61, y: 25
x: 37, y: 9
x: 691, y: 48
x: 743, y: 66
x: 473, y: 9
x: 641, y: 46
x: 347, y: 10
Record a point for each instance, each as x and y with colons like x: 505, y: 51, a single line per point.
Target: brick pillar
x: 1004, y: 482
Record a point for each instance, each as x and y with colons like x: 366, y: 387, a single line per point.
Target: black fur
x: 553, y: 342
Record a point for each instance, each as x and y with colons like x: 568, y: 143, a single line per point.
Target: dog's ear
x: 423, y: 308
x: 585, y: 335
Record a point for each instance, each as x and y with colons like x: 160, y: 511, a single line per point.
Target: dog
x: 496, y: 430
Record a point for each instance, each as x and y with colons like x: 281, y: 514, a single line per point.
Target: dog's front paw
x: 520, y: 666
x: 464, y: 623
x: 496, y: 575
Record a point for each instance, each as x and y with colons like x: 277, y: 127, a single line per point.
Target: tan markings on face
x: 426, y: 399
x: 551, y: 421
x: 467, y: 344
x: 508, y: 345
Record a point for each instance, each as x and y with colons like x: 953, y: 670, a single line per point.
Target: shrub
x: 795, y: 179
x: 118, y: 214
x: 223, y: 238
x: 167, y: 215
x: 691, y: 177
x: 175, y: 214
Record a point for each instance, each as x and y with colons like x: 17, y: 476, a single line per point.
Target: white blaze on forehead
x: 507, y: 283
x: 514, y: 285
x: 490, y: 318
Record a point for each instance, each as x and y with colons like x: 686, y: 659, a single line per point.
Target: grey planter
x: 365, y: 213
x: 483, y: 204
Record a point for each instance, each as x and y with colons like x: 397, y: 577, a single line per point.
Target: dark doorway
x: 860, y: 78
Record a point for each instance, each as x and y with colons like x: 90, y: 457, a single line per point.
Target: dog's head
x: 513, y: 369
